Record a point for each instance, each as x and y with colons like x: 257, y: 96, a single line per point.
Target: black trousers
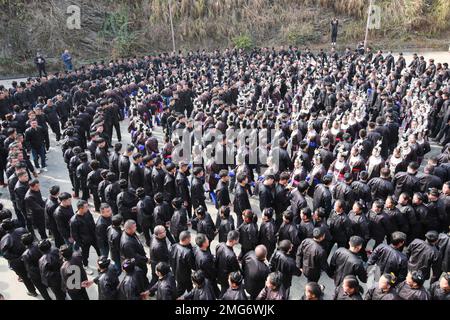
x: 85, y: 252
x: 56, y: 130
x: 19, y: 268
x: 97, y: 202
x: 183, y: 286
x: 78, y: 294
x: 117, y: 127
x: 38, y: 223
x: 57, y: 291
x: 41, y: 288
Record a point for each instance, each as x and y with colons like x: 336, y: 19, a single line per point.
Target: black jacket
x: 389, y: 259
x: 323, y: 199
x: 35, y: 206
x: 376, y: 294
x: 225, y: 226
x: 178, y: 222
x: 145, y: 209
x: 126, y: 201
x: 36, y: 138
x: 107, y: 283
x: 226, y: 262
x: 340, y: 227
x: 235, y: 294
x: 158, y: 176
x: 267, y: 237
x: 182, y: 185
x: 161, y: 214
x: 124, y: 167
x: 342, y: 191
x: 406, y: 182
x: 255, y: 273
x: 241, y: 201
x: 248, y: 236
x: 101, y: 231
x: 11, y: 245
x: 205, y: 226
x: 222, y: 194
x: 205, y: 261
x: 360, y: 225
x: 266, y: 197
x: 344, y: 263
x: 379, y: 225
x: 82, y: 229
x: 63, y: 217
x: 30, y: 259
x: 424, y: 257
x: 131, y: 248
x: 285, y: 264
x: 159, y: 251
x: 114, y: 163
x: 114, y: 235
x: 436, y: 293
x: 49, y: 267
x: 312, y: 258
x: 166, y: 288
x: 204, y: 293
x: 111, y: 192
x: 380, y: 188
x: 197, y: 193
x: 133, y: 284
x: 170, y: 189
x: 405, y: 292
x: 148, y: 183
x: 101, y: 155
x: 182, y: 262
x: 136, y: 176
x: 282, y: 200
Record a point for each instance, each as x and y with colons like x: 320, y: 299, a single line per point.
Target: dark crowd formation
x: 346, y: 135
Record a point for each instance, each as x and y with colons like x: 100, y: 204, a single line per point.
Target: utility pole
x: 171, y: 26
x: 367, y: 25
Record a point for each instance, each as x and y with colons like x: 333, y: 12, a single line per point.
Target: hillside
x: 122, y: 28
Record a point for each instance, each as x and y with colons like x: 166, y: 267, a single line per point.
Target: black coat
x: 344, y: 192
x: 424, y: 257
x: 204, y: 293
x: 107, y: 283
x: 136, y: 176
x: 405, y: 292
x: 222, y: 194
x: 101, y: 155
x: 255, y: 273
x: 148, y: 183
x: 35, y: 206
x: 182, y: 186
x: 298, y: 202
x: 312, y: 258
x: 126, y: 201
x: 340, y: 227
x: 114, y: 163
x: 161, y: 214
x: 360, y: 225
x: 145, y: 209
x: 405, y: 182
x: 63, y: 216
x: 225, y: 226
x: 226, y: 262
x: 267, y: 237
x: 248, y: 236
x: 241, y: 201
x: 159, y: 251
x: 344, y: 263
x: 114, y: 235
x: 389, y: 259
x: 380, y: 188
x: 170, y: 189
x: 235, y: 294
x: 323, y: 199
x: 124, y: 167
x: 285, y: 264
x: 436, y: 293
x: 205, y: 261
x: 132, y: 285
x: 101, y: 231
x: 111, y: 192
x: 380, y: 226
x: 182, y: 262
x: 166, y: 288
x: 376, y: 294
x: 205, y: 226
x: 282, y: 200
x: 158, y: 176
x: 30, y: 259
x: 132, y: 248
x: 49, y: 267
x: 82, y: 229
x: 197, y: 193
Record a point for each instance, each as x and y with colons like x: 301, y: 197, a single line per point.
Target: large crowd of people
x: 336, y: 154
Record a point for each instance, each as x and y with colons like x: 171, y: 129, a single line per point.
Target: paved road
x: 57, y: 174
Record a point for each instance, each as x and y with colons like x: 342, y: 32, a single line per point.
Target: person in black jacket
x: 379, y: 223
x: 112, y: 190
x: 101, y: 154
x: 158, y: 176
x: 113, y: 161
x: 35, y: 207
x: 83, y: 169
x: 49, y: 267
x: 282, y: 199
x: 407, y: 182
x: 381, y: 187
x: 182, y: 262
x: 312, y: 257
x: 11, y: 248
x: 37, y: 141
x: 145, y: 207
x: 73, y: 265
x: 159, y: 251
x: 179, y: 221
x: 162, y: 215
x: 255, y: 269
x: 127, y: 201
x: 20, y: 190
x: 169, y: 189
x: 114, y: 234
x: 203, y: 223
x: 136, y: 172
x: 205, y: 261
x: 349, y: 289
x: 322, y: 195
x: 340, y: 226
x: 266, y: 193
x: 289, y: 231
x: 343, y: 191
x: 226, y: 260
x: 385, y: 289
x: 201, y: 288
x: 347, y: 262
x: 165, y: 287
x: 226, y: 223
x: 50, y: 207
x: 197, y: 190
x: 101, y: 229
x: 63, y: 214
x: 30, y: 258
x: 440, y: 290
x: 267, y: 232
x: 124, y: 163
x: 134, y: 286
x: 222, y: 190
x: 131, y: 247
x: 241, y: 200
x: 106, y: 280
x: 424, y: 256
x: 93, y: 179
x: 52, y: 118
x: 298, y: 200
x: 236, y: 288
x: 182, y: 187
x: 82, y: 231
x: 390, y: 258
x: 283, y: 262
x: 148, y: 169
x: 248, y: 233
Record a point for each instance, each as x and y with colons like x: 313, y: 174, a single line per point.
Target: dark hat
x: 103, y: 262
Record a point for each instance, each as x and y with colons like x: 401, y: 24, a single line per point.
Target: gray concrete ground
x: 12, y: 289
